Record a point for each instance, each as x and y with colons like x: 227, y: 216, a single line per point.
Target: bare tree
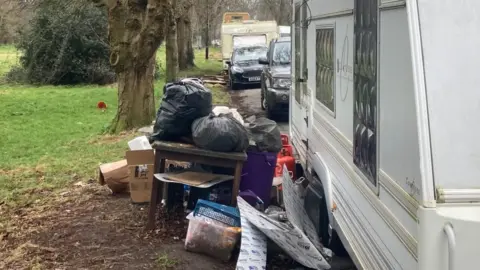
x: 209, y: 14
x: 136, y: 30
x: 14, y: 15
x: 278, y: 10
x: 171, y: 45
x: 184, y: 34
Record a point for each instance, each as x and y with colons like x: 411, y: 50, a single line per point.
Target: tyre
x: 269, y: 112
x: 231, y: 84
x: 262, y: 97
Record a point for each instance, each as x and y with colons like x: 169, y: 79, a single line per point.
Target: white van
x: 384, y: 116
x: 249, y: 32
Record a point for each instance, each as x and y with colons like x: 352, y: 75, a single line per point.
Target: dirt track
x: 248, y: 103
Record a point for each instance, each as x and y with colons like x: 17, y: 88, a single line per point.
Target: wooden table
x: 187, y: 152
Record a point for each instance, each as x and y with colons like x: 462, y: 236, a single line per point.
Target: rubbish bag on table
x: 265, y: 133
x: 182, y: 103
x: 211, y: 238
x: 221, y: 133
x: 187, y: 80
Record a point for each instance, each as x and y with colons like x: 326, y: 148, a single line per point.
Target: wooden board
x: 192, y: 178
x: 193, y: 150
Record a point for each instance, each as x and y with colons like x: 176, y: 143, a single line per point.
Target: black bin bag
x: 265, y: 133
x: 222, y: 133
x: 182, y: 103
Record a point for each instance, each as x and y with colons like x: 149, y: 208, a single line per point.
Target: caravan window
x: 249, y: 40
x: 325, y: 76
x: 365, y: 88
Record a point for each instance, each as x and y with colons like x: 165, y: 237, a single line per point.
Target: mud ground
x: 86, y: 227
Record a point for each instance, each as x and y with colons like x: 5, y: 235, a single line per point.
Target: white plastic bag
x: 226, y: 110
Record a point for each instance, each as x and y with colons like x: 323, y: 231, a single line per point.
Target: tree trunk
x: 135, y: 31
x: 171, y: 48
x: 189, y: 44
x: 136, y: 102
x: 182, y: 44
x: 283, y: 18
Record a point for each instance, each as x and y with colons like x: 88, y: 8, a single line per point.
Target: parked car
x: 276, y: 77
x: 243, y: 67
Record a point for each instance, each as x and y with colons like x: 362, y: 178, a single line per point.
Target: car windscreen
x: 249, y: 40
x: 249, y: 54
x: 281, y: 53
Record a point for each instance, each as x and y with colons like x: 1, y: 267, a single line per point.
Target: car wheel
x: 269, y: 111
x: 234, y: 86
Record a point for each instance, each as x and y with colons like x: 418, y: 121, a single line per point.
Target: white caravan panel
x: 450, y: 42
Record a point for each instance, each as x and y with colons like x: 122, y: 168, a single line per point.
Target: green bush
x: 66, y: 42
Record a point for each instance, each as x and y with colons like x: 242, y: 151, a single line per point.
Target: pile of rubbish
x: 186, y: 113
x: 218, y: 230
x: 270, y: 202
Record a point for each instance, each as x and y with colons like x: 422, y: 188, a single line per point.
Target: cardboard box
x: 140, y: 166
x: 115, y: 175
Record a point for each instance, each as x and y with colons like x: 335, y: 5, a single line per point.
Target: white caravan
x: 249, y: 32
x: 283, y: 31
x: 384, y: 116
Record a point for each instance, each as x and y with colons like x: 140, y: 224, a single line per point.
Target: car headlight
x: 236, y: 69
x: 281, y: 83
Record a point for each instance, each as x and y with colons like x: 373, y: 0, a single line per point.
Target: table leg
x: 236, y: 182
x: 158, y: 167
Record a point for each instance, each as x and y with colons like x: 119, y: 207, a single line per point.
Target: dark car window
x: 249, y: 54
x: 281, y: 54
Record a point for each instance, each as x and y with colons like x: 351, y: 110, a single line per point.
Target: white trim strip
x: 342, y: 13
x: 421, y: 104
x: 394, y: 4
x: 408, y: 203
x: 458, y: 195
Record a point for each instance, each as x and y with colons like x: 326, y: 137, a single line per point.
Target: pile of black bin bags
x: 186, y: 111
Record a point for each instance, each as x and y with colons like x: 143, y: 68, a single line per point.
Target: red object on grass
x: 101, y: 105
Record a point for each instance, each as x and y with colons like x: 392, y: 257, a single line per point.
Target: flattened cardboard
x: 141, y: 166
x: 115, y: 175
x: 291, y: 239
x: 253, y: 247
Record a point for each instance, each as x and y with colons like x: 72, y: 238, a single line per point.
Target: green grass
x: 164, y: 262
x: 8, y: 58
x: 52, y: 136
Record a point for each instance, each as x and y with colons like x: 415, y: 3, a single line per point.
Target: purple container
x: 257, y: 174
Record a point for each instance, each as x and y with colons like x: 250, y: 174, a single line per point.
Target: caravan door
x: 299, y: 101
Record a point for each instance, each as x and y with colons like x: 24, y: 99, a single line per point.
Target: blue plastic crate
x: 225, y: 214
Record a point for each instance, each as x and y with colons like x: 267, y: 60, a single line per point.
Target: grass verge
x: 52, y: 136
